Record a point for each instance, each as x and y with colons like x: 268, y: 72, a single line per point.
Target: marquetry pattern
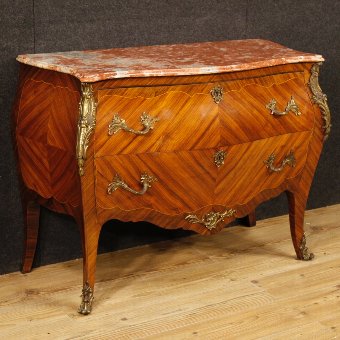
x: 188, y: 180
x: 185, y: 120
x: 46, y: 140
x: 244, y: 116
x: 189, y: 119
x: 191, y: 128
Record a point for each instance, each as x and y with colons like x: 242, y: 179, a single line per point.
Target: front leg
x: 297, y: 204
x: 90, y: 238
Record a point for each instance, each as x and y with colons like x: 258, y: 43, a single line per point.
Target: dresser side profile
x: 44, y: 127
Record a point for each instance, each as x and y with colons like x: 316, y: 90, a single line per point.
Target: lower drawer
x: 181, y: 182
x: 251, y: 168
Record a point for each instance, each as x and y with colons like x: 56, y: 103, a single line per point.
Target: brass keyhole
x: 217, y: 93
x: 219, y: 158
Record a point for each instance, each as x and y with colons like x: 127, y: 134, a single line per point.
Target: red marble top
x: 168, y: 60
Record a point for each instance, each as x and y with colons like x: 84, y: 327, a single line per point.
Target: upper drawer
x: 188, y: 117
x: 264, y: 107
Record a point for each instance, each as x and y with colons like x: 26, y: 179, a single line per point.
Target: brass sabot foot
x: 86, y: 300
x: 305, y: 255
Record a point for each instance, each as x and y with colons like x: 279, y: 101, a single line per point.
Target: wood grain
x: 244, y: 116
x: 190, y: 180
x: 31, y: 210
x: 45, y: 130
x: 188, y: 119
x: 185, y: 181
x: 244, y: 174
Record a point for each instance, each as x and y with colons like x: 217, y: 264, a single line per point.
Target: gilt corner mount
x: 319, y: 98
x: 86, y: 123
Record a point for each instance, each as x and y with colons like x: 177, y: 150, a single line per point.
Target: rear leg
x: 249, y: 220
x: 31, y: 210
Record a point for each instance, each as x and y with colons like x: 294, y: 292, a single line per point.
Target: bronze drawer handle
x: 211, y: 219
x: 288, y: 160
x: 120, y: 124
x: 291, y: 106
x: 145, y: 180
x: 217, y: 93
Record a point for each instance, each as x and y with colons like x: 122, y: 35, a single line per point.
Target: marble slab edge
x: 116, y: 74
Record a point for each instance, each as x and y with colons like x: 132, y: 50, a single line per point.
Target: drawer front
x: 251, y: 168
x: 186, y: 118
x: 185, y: 181
x: 264, y: 107
x: 190, y: 180
x: 193, y: 117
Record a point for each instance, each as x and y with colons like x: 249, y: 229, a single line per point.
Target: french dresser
x: 183, y: 136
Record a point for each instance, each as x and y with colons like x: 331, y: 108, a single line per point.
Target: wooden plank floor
x: 243, y: 283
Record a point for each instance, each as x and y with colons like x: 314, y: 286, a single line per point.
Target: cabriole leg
x: 31, y: 210
x: 297, y: 205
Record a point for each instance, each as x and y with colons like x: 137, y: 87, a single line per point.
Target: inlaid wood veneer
x: 183, y: 136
